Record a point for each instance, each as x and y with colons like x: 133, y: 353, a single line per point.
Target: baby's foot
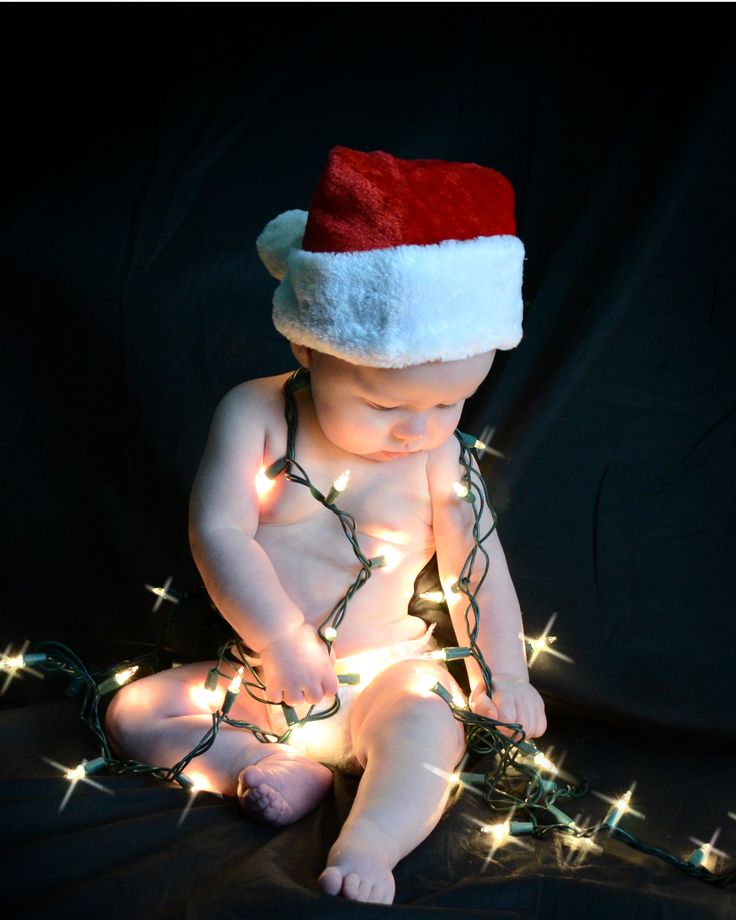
x: 282, y: 787
x: 358, y: 865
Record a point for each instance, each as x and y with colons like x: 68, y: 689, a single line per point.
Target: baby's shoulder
x: 443, y: 463
x: 257, y: 400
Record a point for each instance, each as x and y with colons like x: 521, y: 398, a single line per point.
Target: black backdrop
x: 147, y: 145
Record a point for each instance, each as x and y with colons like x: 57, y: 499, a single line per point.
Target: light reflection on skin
x: 396, y: 537
x: 263, y: 483
x: 391, y: 554
x: 207, y: 700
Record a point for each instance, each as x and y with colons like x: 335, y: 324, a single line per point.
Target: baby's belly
x: 316, y: 568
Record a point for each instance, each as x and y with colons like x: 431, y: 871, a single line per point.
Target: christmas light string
x: 521, y: 781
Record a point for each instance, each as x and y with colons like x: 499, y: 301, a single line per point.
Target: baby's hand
x: 298, y: 667
x: 514, y: 700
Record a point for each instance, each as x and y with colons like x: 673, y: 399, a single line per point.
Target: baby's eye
x: 382, y: 408
x: 446, y: 405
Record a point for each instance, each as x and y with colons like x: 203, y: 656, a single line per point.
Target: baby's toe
x: 330, y: 882
x: 352, y: 885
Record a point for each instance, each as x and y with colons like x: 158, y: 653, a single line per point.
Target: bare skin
x: 276, y: 563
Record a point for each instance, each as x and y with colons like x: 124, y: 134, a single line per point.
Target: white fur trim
x: 279, y: 237
x: 404, y: 305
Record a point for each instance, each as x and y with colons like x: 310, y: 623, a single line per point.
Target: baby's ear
x: 302, y: 354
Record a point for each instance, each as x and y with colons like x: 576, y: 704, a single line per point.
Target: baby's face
x: 383, y: 414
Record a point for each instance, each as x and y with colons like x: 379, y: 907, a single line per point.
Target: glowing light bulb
x: 19, y: 664
x: 706, y: 854
x: 459, y: 701
x: 341, y: 483
x: 426, y: 682
x: 76, y: 774
x: 619, y: 808
x: 435, y: 597
x: 541, y: 645
x: 235, y: 682
x: 450, y: 653
x: 205, y: 698
x: 117, y: 680
x: 232, y: 692
x: 453, y: 594
x: 200, y: 783
x: 364, y: 666
x: 164, y: 593
x: 499, y: 832
x: 542, y: 762
x: 263, y: 483
x: 338, y: 487
x: 391, y: 556
x: 123, y: 676
x: 462, y: 491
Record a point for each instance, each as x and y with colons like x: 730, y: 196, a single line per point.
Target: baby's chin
x: 389, y: 456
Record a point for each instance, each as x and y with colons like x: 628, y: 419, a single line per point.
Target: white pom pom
x: 279, y: 237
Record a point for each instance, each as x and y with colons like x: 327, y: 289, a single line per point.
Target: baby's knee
x: 137, y: 708
x: 416, y: 680
x: 405, y: 703
x: 125, y: 715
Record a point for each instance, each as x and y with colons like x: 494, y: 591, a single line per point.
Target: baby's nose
x: 411, y: 429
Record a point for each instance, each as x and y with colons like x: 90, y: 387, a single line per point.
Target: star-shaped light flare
x: 12, y: 664
x: 542, y: 644
x: 163, y: 594
x: 483, y: 444
x: 75, y: 775
x: 710, y: 854
x: 194, y: 784
x: 579, y: 846
x: 619, y: 807
x: 499, y: 835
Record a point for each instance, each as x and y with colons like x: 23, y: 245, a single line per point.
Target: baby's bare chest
x: 388, y: 502
x: 312, y: 549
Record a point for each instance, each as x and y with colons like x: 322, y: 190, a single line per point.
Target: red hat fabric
x: 374, y: 201
x: 398, y: 262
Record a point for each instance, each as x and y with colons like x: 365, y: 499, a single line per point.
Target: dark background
x: 146, y: 146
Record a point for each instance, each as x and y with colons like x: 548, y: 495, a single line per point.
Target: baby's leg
x: 159, y: 719
x: 398, y: 726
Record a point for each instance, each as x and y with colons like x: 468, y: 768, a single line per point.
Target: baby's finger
x: 330, y: 685
x: 312, y: 692
x: 487, y: 707
x: 540, y: 725
x: 506, y: 709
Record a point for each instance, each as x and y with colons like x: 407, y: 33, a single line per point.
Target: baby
x: 396, y: 291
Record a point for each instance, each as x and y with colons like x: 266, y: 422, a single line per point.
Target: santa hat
x: 398, y: 262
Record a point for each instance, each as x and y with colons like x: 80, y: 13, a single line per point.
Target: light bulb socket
x: 278, y: 466
x: 227, y: 703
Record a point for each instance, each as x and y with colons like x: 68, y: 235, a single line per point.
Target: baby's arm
x: 500, y: 626
x: 240, y: 577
